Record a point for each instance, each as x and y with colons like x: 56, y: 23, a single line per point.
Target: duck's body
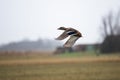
x: 73, y: 33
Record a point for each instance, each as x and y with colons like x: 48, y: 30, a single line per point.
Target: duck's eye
x: 70, y: 32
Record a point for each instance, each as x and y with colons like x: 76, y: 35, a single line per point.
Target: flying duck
x: 73, y: 33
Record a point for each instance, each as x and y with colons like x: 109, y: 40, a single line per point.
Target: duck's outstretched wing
x: 62, y: 36
x: 70, y: 42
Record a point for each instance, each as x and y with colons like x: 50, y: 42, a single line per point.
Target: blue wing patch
x: 71, y: 32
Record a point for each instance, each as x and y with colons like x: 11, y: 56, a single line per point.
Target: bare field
x: 53, y: 60
x: 76, y: 66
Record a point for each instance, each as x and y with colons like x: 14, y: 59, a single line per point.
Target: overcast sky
x: 34, y: 19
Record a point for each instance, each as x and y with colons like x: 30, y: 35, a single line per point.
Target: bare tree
x: 110, y: 33
x: 117, y: 24
x: 111, y: 24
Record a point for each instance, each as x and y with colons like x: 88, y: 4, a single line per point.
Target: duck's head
x: 78, y: 34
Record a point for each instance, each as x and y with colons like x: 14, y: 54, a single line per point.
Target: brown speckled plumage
x: 73, y: 33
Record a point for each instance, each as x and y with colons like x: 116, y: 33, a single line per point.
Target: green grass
x: 60, y: 67
x: 77, y: 54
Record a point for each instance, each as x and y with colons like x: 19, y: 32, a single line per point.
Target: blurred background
x: 29, y: 51
x: 28, y: 25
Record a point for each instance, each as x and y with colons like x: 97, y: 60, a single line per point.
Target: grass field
x: 77, y: 66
